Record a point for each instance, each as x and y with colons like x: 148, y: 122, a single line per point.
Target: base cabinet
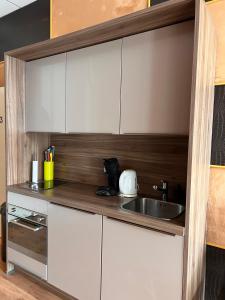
x: 74, y: 252
x: 138, y: 263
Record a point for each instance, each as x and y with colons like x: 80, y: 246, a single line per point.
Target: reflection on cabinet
x: 45, y: 94
x: 74, y: 252
x: 93, y: 79
x: 144, y: 265
x: 156, y: 80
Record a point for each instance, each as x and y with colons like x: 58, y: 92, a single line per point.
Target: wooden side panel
x: 217, y: 9
x: 71, y: 15
x: 20, y: 147
x: 80, y: 158
x: 199, y: 153
x: 216, y: 208
x: 2, y: 76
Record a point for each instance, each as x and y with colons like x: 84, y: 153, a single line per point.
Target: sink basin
x: 154, y: 208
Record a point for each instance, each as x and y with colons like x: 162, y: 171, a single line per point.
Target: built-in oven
x: 27, y: 240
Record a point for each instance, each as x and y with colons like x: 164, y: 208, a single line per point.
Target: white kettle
x: 128, y: 183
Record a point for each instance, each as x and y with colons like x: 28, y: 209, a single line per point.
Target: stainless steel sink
x: 154, y: 208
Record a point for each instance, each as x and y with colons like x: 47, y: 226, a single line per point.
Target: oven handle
x: 16, y: 222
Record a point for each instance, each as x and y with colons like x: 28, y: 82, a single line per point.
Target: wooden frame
x: 20, y: 145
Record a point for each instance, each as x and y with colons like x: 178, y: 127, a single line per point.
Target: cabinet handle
x: 26, y: 226
x: 142, y: 226
x: 1, y: 119
x: 74, y: 208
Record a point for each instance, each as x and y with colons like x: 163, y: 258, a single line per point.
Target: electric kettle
x: 128, y: 183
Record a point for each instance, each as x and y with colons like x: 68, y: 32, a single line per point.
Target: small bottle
x: 35, y: 171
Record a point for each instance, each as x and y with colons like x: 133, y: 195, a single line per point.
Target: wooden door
x: 93, y: 80
x: 74, y: 252
x: 45, y: 94
x: 156, y: 80
x: 139, y: 263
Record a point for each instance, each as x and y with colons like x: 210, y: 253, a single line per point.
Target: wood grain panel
x: 21, y: 148
x: 217, y: 9
x: 72, y: 15
x: 171, y: 12
x: 80, y: 158
x: 199, y: 153
x: 2, y: 79
x: 216, y: 208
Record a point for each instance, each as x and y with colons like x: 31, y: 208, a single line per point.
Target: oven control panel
x: 22, y: 213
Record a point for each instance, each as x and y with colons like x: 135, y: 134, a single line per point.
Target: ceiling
x: 8, y: 6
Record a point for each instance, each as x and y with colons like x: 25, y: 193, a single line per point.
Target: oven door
x: 27, y: 245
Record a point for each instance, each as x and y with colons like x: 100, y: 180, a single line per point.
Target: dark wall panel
x: 218, y: 136
x: 215, y: 274
x: 25, y: 26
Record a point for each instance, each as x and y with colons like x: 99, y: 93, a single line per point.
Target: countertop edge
x: 117, y: 214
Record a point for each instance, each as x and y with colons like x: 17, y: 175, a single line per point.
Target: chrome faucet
x: 163, y: 189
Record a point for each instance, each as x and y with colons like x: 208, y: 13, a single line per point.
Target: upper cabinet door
x: 93, y: 81
x: 156, y: 80
x: 45, y: 94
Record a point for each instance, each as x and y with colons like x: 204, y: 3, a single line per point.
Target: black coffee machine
x: 112, y: 169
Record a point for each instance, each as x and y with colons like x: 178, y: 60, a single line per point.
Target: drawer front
x: 27, y: 263
x: 30, y: 203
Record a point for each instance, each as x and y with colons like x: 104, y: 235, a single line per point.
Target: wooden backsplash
x: 154, y: 157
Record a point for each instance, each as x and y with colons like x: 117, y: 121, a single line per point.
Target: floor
x: 20, y: 287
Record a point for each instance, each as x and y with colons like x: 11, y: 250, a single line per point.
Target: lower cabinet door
x: 74, y: 252
x: 140, y: 264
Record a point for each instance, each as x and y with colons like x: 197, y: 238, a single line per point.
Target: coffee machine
x: 112, y: 169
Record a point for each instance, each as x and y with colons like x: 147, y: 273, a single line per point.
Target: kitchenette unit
x: 136, y: 93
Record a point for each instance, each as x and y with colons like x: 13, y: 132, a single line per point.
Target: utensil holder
x: 48, y: 170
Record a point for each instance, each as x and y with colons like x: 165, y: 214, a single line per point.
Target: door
x: 156, y: 80
x: 45, y: 94
x: 139, y: 263
x: 74, y: 252
x: 93, y: 79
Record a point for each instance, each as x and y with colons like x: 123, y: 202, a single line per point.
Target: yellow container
x: 48, y: 170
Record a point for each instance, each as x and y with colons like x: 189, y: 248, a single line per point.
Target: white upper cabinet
x: 93, y: 81
x: 45, y: 94
x: 156, y: 80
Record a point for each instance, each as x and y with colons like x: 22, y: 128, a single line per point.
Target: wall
x: 25, y: 26
x: 2, y: 74
x: 72, y: 15
x: 216, y: 204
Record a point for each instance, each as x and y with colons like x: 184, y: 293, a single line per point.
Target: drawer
x: 30, y: 203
